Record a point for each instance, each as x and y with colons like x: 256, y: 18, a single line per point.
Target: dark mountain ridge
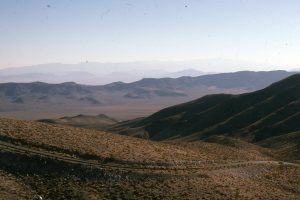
x: 255, y: 116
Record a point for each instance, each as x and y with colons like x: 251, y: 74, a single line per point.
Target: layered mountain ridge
x: 147, y: 95
x: 256, y: 116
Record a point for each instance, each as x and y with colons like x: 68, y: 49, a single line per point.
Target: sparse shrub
x: 111, y: 158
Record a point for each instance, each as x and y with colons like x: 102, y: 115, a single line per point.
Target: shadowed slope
x: 254, y: 116
x: 283, y: 145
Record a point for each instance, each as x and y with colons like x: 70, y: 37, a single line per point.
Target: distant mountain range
x: 150, y: 94
x: 95, y: 73
x: 88, y: 73
x: 268, y: 117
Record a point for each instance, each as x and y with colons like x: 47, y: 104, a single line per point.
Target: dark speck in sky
x: 48, y: 6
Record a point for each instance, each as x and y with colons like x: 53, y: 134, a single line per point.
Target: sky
x: 74, y: 31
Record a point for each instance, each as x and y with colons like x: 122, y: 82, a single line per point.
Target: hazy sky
x: 72, y: 31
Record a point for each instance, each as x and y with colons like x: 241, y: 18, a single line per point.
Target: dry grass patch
x: 95, y: 142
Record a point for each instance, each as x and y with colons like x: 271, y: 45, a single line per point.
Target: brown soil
x: 58, y: 162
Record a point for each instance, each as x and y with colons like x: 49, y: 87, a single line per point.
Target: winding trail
x: 129, y: 165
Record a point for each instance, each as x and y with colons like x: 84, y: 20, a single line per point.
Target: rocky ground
x: 34, y: 166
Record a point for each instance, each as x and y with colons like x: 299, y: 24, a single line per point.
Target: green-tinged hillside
x: 283, y: 145
x: 255, y: 116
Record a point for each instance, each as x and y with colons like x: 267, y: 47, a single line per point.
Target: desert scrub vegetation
x: 108, y: 145
x: 93, y: 142
x: 215, y: 151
